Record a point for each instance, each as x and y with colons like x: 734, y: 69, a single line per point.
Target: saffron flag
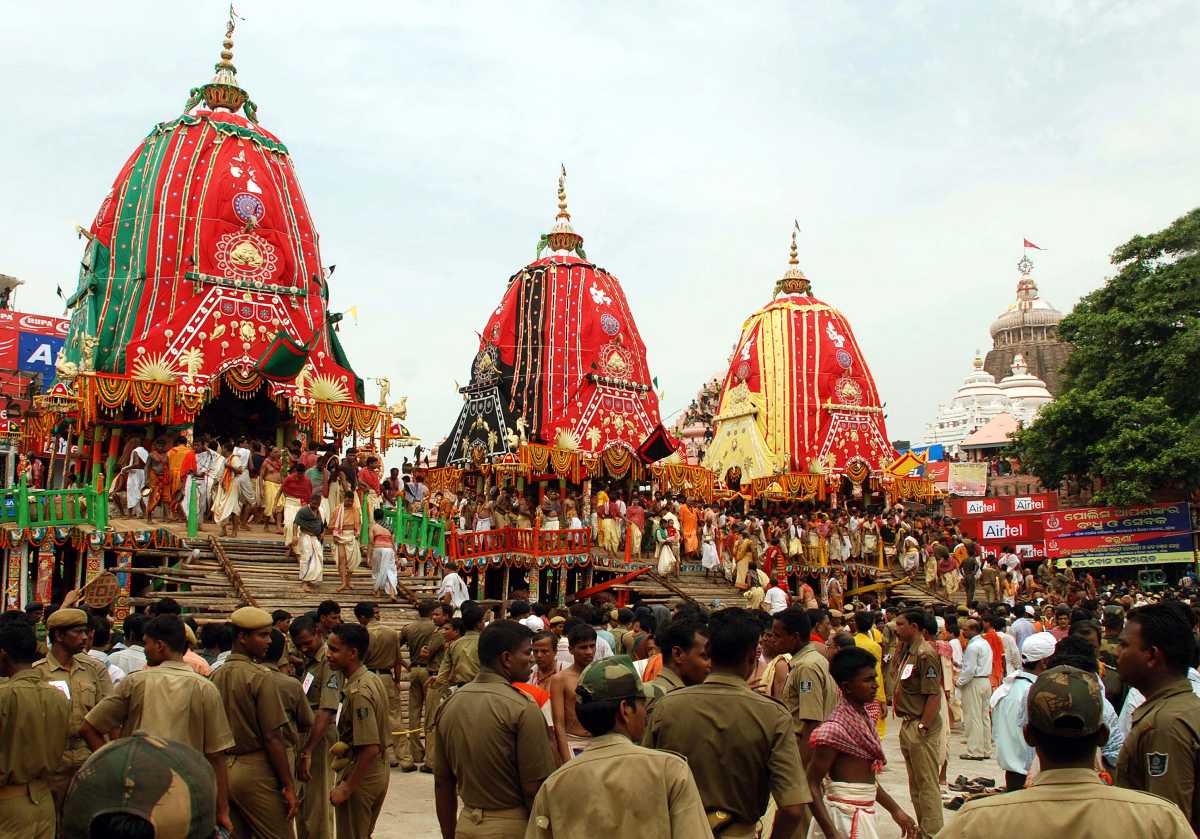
x: 1029, y: 244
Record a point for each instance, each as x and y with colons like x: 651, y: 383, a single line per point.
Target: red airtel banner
x: 1003, y: 505
x: 1001, y: 530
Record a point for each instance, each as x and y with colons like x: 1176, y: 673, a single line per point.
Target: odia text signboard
x: 1160, y: 518
x: 1094, y: 537
x: 1164, y: 549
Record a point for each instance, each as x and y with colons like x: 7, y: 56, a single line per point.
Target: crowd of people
x: 778, y: 715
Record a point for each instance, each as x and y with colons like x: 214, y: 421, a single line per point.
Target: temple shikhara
x: 799, y: 411
x: 202, y: 298
x: 560, y: 364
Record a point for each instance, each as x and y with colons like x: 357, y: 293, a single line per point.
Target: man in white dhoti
x: 227, y: 500
x: 135, y: 480
x: 308, y: 547
x: 846, y: 747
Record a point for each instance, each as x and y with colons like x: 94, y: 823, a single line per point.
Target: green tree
x: 1129, y: 413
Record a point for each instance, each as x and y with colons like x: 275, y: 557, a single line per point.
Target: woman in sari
x: 911, y: 557
x: 346, y: 526
x: 383, y: 558
x: 708, y: 545
x: 135, y: 479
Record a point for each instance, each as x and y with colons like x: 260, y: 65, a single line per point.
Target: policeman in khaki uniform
x: 460, y: 664
x: 615, y: 788
x: 436, y: 654
x: 1161, y: 753
x: 322, y: 686
x: 363, y: 733
x: 291, y: 694
x: 384, y: 660
x: 740, y: 745
x: 262, y: 795
x: 1067, y: 798
x: 417, y: 636
x: 84, y: 681
x: 917, y: 700
x: 33, y: 734
x: 490, y: 742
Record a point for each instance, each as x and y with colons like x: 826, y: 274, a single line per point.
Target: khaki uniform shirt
x: 1068, y: 802
x: 295, y: 704
x: 918, y: 674
x: 251, y: 701
x: 364, y: 717
x: 614, y: 788
x: 33, y: 728
x: 87, y: 682
x: 322, y: 685
x: 461, y: 663
x: 809, y: 693
x: 383, y: 648
x: 740, y: 745
x: 1163, y: 746
x: 170, y: 701
x: 437, y: 652
x: 492, y: 740
x: 415, y: 636
x: 665, y: 682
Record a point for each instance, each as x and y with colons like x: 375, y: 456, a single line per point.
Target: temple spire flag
x: 1028, y: 244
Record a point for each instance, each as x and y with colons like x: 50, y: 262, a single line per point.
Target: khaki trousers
x: 356, y: 818
x: 256, y: 804
x: 433, y: 698
x: 418, y: 677
x: 27, y: 813
x: 920, y: 750
x: 977, y: 718
x: 474, y: 823
x: 398, y: 747
x: 59, y: 782
x: 316, y: 813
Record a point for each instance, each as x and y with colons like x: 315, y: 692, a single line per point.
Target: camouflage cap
x: 611, y: 678
x: 1066, y: 702
x: 169, y: 784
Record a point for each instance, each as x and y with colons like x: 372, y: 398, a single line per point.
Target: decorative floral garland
x: 692, y: 481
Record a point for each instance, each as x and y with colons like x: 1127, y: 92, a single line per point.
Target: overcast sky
x: 916, y: 142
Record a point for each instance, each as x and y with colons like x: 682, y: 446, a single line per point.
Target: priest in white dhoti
x: 135, y: 480
x: 227, y: 500
x: 309, y: 526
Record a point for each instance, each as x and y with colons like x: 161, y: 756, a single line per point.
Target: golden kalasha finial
x: 562, y: 194
x: 793, y: 281
x: 223, y: 91
x: 562, y: 236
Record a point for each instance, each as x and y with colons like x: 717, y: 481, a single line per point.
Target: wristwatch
x: 922, y: 727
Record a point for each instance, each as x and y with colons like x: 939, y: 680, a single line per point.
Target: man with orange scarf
x: 178, y: 474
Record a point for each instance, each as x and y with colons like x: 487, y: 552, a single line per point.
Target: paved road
x: 409, y: 814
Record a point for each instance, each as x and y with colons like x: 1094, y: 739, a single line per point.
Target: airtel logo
x: 1001, y: 529
x: 983, y: 506
x: 1028, y: 504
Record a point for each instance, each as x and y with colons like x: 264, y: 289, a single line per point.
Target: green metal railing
x: 423, y: 532
x: 27, y: 507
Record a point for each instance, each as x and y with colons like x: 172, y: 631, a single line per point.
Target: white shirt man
x: 129, y: 660
x: 533, y: 622
x: 453, y: 585
x: 974, y: 683
x: 775, y: 600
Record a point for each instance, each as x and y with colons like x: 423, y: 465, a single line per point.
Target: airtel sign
x: 1008, y: 529
x: 1003, y: 505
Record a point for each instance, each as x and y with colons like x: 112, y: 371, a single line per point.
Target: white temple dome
x: 979, y: 387
x: 1023, y: 387
x: 1029, y: 309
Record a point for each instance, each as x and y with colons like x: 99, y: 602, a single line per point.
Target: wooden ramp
x: 217, y: 575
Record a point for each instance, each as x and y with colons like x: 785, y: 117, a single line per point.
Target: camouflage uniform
x: 169, y: 784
